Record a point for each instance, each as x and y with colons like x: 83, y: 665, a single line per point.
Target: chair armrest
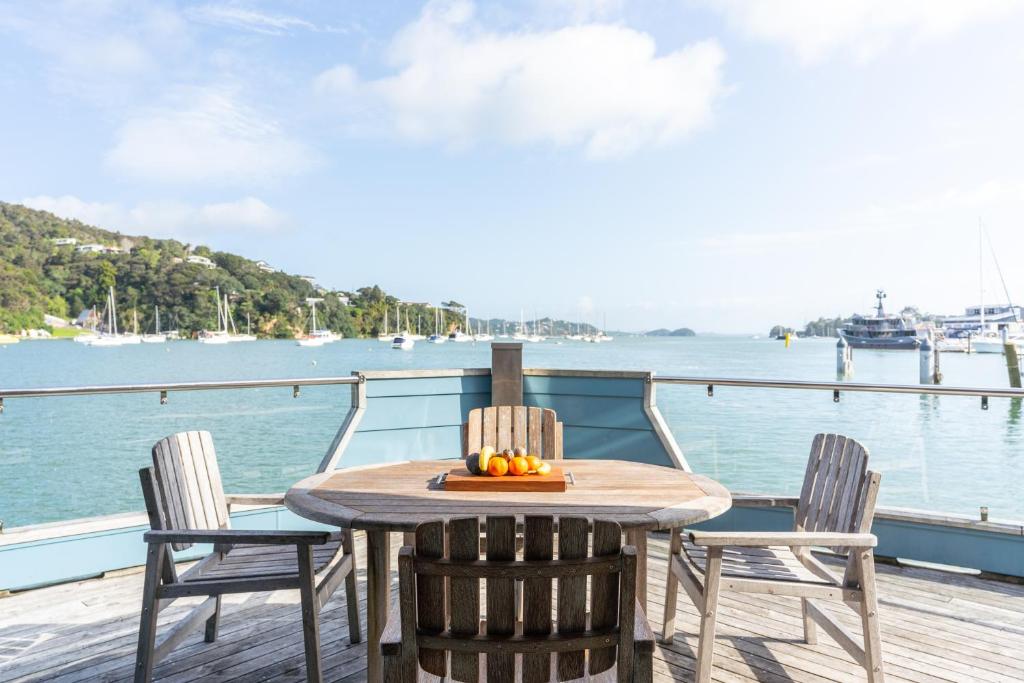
x: 254, y: 498
x: 743, y: 501
x: 643, y: 637
x: 391, y: 637
x: 236, y: 536
x: 787, y: 538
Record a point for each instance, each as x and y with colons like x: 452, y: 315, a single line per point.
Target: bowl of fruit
x: 512, y: 469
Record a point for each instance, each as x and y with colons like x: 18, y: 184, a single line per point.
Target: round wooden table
x: 396, y: 497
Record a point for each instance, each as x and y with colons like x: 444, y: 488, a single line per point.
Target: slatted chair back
x: 535, y: 429
x: 188, y: 485
x: 436, y: 620
x: 839, y: 492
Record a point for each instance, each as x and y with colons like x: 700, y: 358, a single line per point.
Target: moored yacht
x: 157, y: 337
x: 882, y: 330
x: 437, y: 337
x: 402, y: 343
x: 317, y: 336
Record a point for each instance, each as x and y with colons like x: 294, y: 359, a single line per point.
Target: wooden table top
x: 399, y: 496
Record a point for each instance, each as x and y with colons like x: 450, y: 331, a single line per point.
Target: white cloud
x: 816, y: 29
x: 248, y: 20
x: 248, y: 213
x: 166, y: 218
x: 98, y: 50
x: 206, y: 135
x: 602, y: 87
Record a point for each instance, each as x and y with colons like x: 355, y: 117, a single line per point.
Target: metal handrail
x: 37, y: 392
x: 835, y: 387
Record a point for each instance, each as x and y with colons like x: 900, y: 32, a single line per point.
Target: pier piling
x: 844, y: 359
x: 928, y: 366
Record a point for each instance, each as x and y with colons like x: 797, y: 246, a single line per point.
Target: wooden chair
x: 439, y: 613
x: 535, y: 429
x: 186, y: 504
x: 835, y: 509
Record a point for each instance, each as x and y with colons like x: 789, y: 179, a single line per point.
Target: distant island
x: 53, y: 270
x: 664, y: 332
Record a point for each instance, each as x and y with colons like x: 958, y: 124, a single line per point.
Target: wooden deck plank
x: 933, y: 625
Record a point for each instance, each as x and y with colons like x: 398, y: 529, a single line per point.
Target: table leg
x: 638, y: 538
x: 378, y: 594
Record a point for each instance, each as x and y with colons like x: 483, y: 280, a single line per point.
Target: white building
x: 98, y: 249
x: 344, y: 300
x: 64, y: 241
x: 265, y: 267
x: 201, y: 261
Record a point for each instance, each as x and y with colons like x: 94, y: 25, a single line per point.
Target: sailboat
x: 384, y: 336
x: 992, y: 338
x: 221, y: 334
x: 133, y: 336
x: 317, y: 337
x: 483, y: 336
x: 437, y: 337
x: 534, y: 337
x: 157, y: 337
x: 248, y: 336
x: 458, y: 335
x: 415, y: 336
x: 109, y: 336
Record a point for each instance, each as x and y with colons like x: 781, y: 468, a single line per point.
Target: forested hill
x: 39, y: 275
x: 41, y: 272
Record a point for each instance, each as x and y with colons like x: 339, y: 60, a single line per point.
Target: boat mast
x: 981, y: 280
x: 113, y: 312
x: 156, y: 309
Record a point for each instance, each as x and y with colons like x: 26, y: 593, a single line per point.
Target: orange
x: 518, y: 466
x: 497, y: 467
x: 532, y: 461
x: 544, y: 468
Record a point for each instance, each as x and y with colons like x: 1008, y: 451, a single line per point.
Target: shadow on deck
x: 936, y: 626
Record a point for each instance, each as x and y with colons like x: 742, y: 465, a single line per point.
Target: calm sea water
x: 69, y: 457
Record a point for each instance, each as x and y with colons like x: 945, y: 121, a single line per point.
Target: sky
x: 724, y: 165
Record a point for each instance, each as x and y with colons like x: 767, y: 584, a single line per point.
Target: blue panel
x: 999, y: 553
x: 428, y: 386
x: 584, y: 386
x: 614, y: 444
x: 37, y: 563
x: 594, y: 411
x: 403, y: 444
x: 405, y: 412
x: 977, y: 549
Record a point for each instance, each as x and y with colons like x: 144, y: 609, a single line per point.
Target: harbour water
x: 71, y: 457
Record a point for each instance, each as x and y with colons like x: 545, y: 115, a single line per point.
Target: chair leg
x: 869, y: 616
x: 810, y: 628
x: 706, y: 645
x: 351, y: 596
x: 310, y: 613
x: 147, y: 621
x: 668, y: 628
x: 213, y: 623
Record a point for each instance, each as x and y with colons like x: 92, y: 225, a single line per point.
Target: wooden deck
x: 936, y: 626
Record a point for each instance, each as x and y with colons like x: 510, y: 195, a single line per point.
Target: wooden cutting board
x: 460, y: 479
